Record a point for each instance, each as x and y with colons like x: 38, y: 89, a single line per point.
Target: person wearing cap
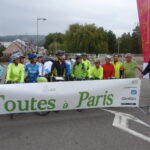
x: 96, y: 72
x: 130, y: 66
x: 15, y: 71
x: 85, y: 61
x: 59, y: 67
x: 79, y: 69
x: 118, y: 66
x: 108, y: 68
x: 32, y: 69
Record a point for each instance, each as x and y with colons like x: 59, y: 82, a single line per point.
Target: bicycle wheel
x: 42, y: 113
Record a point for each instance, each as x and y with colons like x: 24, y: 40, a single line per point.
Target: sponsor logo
x: 128, y: 104
x: 129, y: 87
x: 133, y: 92
x: 128, y: 98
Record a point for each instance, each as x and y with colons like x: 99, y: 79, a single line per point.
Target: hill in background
x: 31, y: 39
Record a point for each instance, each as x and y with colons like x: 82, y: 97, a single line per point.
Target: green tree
x: 86, y: 38
x: 54, y: 38
x: 125, y: 43
x: 2, y: 48
x: 112, y: 42
x: 136, y: 40
x: 55, y: 46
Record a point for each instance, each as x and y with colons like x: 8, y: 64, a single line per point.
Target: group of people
x: 41, y: 68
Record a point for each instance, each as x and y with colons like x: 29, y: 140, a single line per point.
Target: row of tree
x: 91, y: 39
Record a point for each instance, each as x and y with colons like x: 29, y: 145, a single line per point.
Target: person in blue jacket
x: 32, y: 69
x: 68, y: 70
x: 1, y: 72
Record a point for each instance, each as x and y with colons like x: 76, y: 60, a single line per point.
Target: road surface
x: 92, y: 129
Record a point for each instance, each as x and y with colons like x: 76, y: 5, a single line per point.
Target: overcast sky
x: 19, y: 16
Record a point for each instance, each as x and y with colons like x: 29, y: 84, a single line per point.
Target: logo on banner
x: 129, y: 98
x: 133, y: 92
x: 128, y: 104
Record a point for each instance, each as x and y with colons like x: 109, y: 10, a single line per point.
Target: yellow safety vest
x: 118, y: 66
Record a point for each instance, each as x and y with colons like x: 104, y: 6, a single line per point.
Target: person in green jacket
x: 96, y: 72
x: 130, y: 66
x: 85, y: 61
x: 15, y: 70
x: 79, y: 70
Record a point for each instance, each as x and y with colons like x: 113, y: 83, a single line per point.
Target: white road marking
x: 121, y: 121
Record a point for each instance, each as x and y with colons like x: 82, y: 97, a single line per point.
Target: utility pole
x: 43, y: 19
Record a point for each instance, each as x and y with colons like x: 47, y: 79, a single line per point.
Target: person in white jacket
x: 40, y: 63
x: 47, y: 67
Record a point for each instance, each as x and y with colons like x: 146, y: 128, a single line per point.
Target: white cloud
x: 19, y: 16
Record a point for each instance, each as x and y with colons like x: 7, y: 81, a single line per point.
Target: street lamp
x: 38, y: 19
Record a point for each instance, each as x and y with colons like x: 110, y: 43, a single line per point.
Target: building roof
x: 17, y: 45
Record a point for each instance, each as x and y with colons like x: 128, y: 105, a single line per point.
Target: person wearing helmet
x: 69, y: 60
x: 40, y: 63
x: 22, y: 59
x: 59, y: 66
x: 96, y: 72
x: 15, y: 70
x: 118, y: 66
x: 47, y: 67
x: 85, y: 61
x: 32, y: 69
x: 79, y: 70
x: 68, y: 68
x: 109, y: 71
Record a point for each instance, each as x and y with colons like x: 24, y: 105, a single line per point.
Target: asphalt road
x: 71, y: 130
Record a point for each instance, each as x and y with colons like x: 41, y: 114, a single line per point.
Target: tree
x: 2, y: 48
x: 86, y: 38
x: 131, y: 42
x: 125, y: 42
x: 136, y: 40
x: 112, y: 42
x: 55, y: 46
x: 54, y: 37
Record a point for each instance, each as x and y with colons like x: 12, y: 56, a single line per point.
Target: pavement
x: 92, y: 129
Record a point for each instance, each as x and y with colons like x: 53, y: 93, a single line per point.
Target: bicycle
x: 45, y: 113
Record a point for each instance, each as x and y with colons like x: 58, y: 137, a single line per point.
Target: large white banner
x: 18, y: 98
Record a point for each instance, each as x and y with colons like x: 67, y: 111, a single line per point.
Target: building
x: 5, y: 44
x: 17, y: 46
